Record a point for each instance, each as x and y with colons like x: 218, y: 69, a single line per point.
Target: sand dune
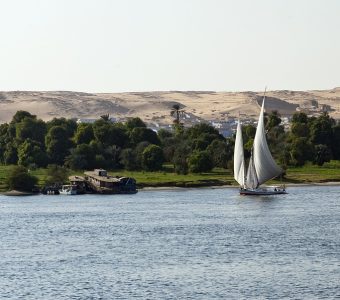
x: 155, y: 106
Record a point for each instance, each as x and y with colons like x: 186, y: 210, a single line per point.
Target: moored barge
x: 98, y: 181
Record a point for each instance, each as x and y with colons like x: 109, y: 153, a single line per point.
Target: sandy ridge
x: 154, y: 107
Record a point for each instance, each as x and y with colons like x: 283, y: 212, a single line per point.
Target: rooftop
x: 95, y: 175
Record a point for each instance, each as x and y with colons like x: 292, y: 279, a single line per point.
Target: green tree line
x: 30, y: 142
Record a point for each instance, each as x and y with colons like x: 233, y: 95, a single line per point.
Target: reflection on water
x: 185, y: 244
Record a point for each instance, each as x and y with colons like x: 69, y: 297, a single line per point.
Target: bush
x: 220, y: 152
x: 128, y: 159
x: 180, y: 158
x: 141, y: 134
x: 20, y: 179
x: 56, y: 174
x: 152, y: 158
x: 100, y: 161
x: 30, y: 152
x: 200, y: 161
x: 322, y: 154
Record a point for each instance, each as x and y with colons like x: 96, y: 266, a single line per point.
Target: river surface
x: 172, y: 244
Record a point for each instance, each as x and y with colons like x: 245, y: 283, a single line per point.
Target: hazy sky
x: 147, y: 45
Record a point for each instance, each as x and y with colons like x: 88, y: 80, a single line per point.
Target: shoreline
x: 18, y: 193
x: 311, y: 184
x: 167, y: 188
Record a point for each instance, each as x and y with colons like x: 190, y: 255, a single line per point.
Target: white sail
x: 265, y: 165
x: 251, y: 180
x: 239, y: 165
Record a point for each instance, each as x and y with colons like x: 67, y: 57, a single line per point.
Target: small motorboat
x: 68, y: 189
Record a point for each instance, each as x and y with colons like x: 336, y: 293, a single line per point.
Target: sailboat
x: 262, y: 166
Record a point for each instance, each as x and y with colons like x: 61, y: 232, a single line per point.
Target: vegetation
x: 329, y: 172
x: 193, y: 153
x: 56, y: 175
x: 177, y: 112
x: 20, y: 179
x: 152, y: 158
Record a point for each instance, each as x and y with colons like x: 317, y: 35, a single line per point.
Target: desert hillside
x: 154, y: 107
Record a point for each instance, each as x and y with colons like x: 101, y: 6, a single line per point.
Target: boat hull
x: 262, y: 192
x: 71, y: 193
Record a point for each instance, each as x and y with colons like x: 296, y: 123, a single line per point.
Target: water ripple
x: 190, y: 244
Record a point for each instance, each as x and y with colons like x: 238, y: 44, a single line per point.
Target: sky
x: 161, y: 45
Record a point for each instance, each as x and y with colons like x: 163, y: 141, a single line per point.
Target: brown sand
x: 155, y: 106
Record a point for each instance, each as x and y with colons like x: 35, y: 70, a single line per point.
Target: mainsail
x: 265, y: 166
x: 239, y: 165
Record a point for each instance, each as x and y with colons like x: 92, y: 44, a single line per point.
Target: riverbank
x: 328, y: 174
x: 18, y: 193
x: 288, y: 185
x: 178, y: 188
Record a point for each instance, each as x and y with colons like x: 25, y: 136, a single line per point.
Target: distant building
x: 225, y: 128
x: 156, y: 127
x: 226, y: 132
x: 89, y: 121
x: 325, y: 108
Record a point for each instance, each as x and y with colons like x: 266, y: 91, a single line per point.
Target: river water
x: 172, y: 244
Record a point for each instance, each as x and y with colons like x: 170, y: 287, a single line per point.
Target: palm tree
x: 177, y: 112
x: 105, y: 117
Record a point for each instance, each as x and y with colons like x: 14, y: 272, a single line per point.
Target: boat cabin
x: 79, y: 182
x: 100, y: 178
x: 98, y: 181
